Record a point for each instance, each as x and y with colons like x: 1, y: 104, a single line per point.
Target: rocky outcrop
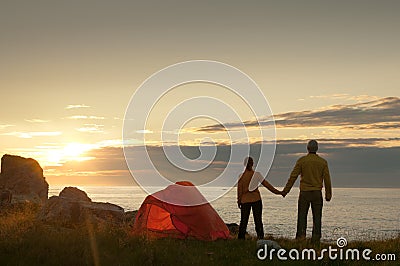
x: 73, y: 193
x: 23, y: 177
x: 22, y: 180
x: 73, y: 208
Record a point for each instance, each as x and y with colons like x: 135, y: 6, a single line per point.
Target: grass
x: 24, y: 241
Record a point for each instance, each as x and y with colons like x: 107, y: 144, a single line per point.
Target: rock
x: 233, y: 228
x: 73, y: 193
x: 270, y: 244
x: 60, y: 211
x: 24, y: 178
x: 104, y: 212
x: 73, y: 208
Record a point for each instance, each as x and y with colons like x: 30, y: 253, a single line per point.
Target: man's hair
x: 248, y: 162
x: 312, y: 146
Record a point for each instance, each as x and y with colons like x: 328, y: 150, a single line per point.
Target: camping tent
x: 158, y: 218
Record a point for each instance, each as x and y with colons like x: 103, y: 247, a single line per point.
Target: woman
x: 248, y: 197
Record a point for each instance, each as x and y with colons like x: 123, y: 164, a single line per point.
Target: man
x: 314, y: 172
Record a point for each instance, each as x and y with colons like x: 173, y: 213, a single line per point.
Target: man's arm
x: 327, y: 183
x: 293, y: 176
x: 271, y: 187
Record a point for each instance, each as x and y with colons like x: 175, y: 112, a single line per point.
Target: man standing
x: 314, y: 172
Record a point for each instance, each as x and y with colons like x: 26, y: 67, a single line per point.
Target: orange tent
x: 157, y: 218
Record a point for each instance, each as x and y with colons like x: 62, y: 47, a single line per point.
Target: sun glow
x: 70, y: 152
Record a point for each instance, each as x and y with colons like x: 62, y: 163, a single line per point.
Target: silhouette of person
x: 248, y: 198
x: 314, y: 173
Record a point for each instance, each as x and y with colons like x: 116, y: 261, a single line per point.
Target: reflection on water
x: 354, y: 213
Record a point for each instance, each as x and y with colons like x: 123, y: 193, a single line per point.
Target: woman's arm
x: 271, y: 187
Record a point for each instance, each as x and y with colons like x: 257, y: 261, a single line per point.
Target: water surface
x: 354, y: 213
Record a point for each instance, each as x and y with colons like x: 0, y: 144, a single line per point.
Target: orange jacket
x: 243, y: 193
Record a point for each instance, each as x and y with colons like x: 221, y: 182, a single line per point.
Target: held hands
x: 282, y: 193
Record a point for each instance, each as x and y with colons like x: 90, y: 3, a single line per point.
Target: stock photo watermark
x: 338, y: 252
x: 152, y: 91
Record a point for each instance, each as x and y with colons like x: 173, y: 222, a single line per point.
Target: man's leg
x: 257, y: 214
x: 244, y: 219
x: 316, y: 207
x: 302, y: 211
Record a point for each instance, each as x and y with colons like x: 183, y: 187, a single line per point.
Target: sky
x: 329, y: 70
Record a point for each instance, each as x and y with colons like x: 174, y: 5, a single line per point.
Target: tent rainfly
x: 157, y: 218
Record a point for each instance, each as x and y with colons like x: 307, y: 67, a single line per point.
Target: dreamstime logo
x: 341, y: 242
x: 139, y: 149
x: 332, y: 253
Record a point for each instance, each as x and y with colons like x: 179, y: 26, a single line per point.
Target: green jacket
x: 314, y: 172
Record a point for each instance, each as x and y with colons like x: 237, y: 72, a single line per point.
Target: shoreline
x: 137, y: 186
x: 132, y: 203
x: 26, y: 241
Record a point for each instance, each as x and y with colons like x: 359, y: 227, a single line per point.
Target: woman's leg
x: 257, y: 214
x: 244, y: 219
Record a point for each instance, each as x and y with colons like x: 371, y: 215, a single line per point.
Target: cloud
x: 384, y: 125
x: 145, y: 131
x: 107, y: 173
x: 76, y: 106
x: 352, y: 163
x: 3, y: 126
x: 93, y: 117
x: 331, y: 96
x: 36, y: 120
x: 377, y: 114
x: 29, y: 135
x: 386, y: 110
x: 348, y: 142
x: 91, y: 128
x: 346, y: 97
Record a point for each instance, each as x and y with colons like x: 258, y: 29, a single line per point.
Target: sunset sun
x: 70, y: 152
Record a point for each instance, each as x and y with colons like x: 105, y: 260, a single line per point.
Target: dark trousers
x: 244, y: 218
x: 307, y: 198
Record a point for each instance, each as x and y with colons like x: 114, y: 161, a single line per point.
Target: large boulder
x: 23, y: 177
x: 73, y: 193
x: 74, y: 208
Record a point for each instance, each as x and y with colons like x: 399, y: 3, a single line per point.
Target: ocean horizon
x: 353, y: 213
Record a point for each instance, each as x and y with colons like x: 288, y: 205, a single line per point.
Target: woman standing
x: 248, y: 197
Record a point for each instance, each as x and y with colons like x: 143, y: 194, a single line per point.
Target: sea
x: 353, y: 213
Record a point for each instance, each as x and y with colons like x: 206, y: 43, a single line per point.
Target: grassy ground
x: 23, y: 241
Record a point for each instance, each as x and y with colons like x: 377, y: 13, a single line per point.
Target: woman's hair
x: 248, y: 162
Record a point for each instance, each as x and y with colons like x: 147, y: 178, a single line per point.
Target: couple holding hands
x: 314, y: 174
